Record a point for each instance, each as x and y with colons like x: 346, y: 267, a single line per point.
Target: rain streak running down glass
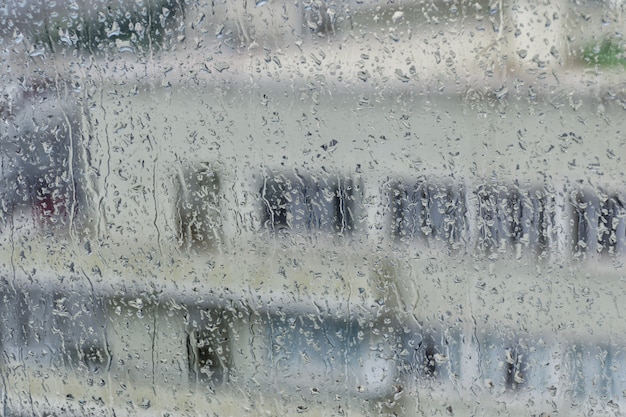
x: 312, y: 207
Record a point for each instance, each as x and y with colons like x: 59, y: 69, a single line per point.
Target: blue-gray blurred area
x: 92, y: 27
x: 39, y: 161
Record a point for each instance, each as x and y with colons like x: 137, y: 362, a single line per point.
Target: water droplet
x: 221, y: 66
x: 439, y: 358
x: 64, y: 37
x: 260, y: 3
x: 124, y: 46
x: 397, y: 16
x: 363, y: 75
x: 219, y: 31
x: 37, y: 52
x: 114, y: 31
x: 145, y: 403
x: 555, y: 52
x: 400, y: 75
x: 18, y: 37
x: 502, y: 92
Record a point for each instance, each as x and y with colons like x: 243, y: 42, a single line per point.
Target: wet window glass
x: 317, y: 207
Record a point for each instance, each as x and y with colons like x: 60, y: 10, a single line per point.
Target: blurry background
x: 322, y: 208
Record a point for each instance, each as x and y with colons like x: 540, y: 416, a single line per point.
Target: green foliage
x: 606, y: 53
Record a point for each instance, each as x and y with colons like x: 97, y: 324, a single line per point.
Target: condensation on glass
x: 313, y: 207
